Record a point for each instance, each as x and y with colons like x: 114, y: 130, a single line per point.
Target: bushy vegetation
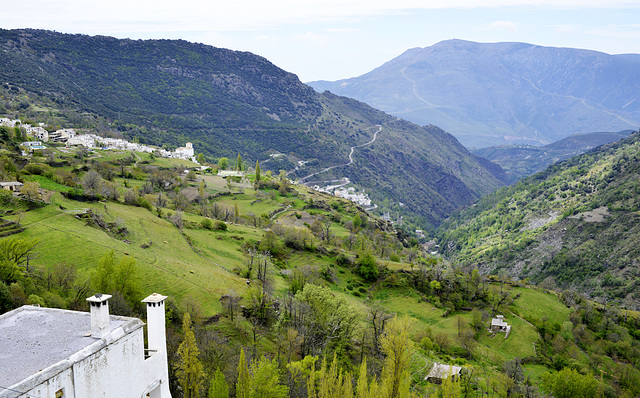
x: 332, y: 308
x: 575, y: 224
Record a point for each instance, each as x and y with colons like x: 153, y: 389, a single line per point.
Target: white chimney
x: 155, y: 322
x: 99, y: 306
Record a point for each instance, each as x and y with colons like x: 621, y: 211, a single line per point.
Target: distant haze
x: 503, y: 93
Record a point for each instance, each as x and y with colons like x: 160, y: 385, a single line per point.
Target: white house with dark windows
x: 53, y: 353
x: 440, y: 372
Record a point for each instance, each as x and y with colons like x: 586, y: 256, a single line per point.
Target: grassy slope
x: 204, y: 272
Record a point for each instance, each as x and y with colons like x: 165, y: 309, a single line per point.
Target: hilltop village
x: 69, y: 137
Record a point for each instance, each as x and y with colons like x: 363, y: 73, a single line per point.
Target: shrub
x: 343, y: 260
x: 142, y: 202
x: 426, y: 343
x: 207, y: 224
x: 368, y: 267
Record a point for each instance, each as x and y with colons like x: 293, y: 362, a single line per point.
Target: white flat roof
x: 33, y: 338
x: 442, y: 371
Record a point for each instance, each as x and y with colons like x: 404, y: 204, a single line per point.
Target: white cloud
x: 509, y: 26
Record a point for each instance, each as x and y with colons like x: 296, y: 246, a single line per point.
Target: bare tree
x: 91, y: 181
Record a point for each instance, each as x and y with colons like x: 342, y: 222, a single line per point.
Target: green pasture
x: 169, y: 265
x: 538, y: 305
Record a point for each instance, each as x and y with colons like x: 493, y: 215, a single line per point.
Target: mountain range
x: 503, y: 93
x: 167, y: 92
x: 519, y: 161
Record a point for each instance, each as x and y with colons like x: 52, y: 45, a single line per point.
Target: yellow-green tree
x: 362, y: 389
x: 239, y: 163
x: 218, y: 387
x: 243, y: 385
x: 223, y: 163
x: 121, y: 277
x: 265, y: 380
x: 451, y: 387
x: 189, y: 369
x: 569, y: 383
x: 398, y: 348
x: 14, y: 252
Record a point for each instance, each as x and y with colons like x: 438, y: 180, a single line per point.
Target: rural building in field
x: 498, y: 324
x: 12, y: 186
x: 440, y: 372
x: 46, y: 352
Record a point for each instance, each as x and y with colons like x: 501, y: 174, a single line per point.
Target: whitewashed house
x: 62, y: 135
x: 86, y: 140
x: 12, y: 186
x: 185, y: 152
x: 498, y: 324
x: 53, y: 353
x: 440, y: 372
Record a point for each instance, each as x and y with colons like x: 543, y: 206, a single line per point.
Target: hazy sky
x: 334, y: 39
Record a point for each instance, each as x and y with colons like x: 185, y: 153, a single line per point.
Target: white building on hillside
x: 185, y: 152
x: 54, y: 353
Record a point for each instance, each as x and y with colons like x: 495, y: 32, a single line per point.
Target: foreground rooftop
x: 33, y: 339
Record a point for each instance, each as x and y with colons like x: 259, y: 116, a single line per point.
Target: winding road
x: 375, y: 137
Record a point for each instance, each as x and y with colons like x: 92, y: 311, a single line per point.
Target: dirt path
x: 353, y: 148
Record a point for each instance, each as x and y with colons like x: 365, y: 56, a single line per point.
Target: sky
x: 337, y: 39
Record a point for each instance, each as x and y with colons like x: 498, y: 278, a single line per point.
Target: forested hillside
x: 275, y: 290
x: 167, y: 92
x: 519, y: 161
x: 573, y: 225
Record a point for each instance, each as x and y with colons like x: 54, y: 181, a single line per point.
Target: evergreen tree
x: 218, y: 387
x: 239, y: 163
x: 189, y: 369
x: 257, y: 172
x: 243, y: 386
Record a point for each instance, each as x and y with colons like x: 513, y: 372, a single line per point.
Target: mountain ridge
x: 227, y: 102
x: 496, y: 93
x: 520, y: 161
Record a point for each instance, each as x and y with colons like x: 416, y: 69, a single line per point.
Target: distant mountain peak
x: 503, y: 93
